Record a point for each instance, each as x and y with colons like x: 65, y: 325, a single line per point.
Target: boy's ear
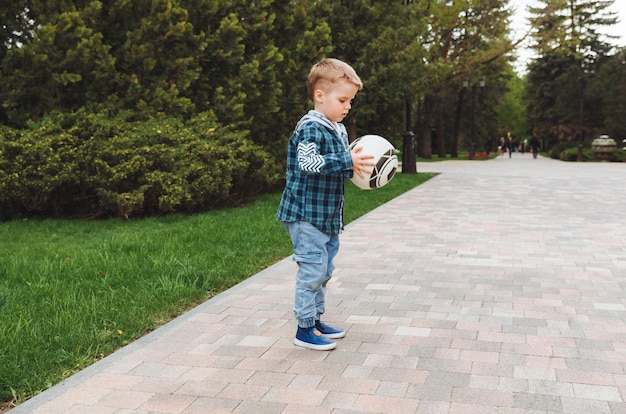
x: 318, y: 96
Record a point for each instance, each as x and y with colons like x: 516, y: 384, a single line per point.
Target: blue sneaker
x: 329, y: 331
x: 313, y: 339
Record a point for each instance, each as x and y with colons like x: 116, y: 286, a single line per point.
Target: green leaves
x: 130, y: 169
x: 574, y: 82
x: 247, y: 63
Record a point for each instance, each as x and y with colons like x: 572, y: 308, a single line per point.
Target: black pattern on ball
x: 385, y: 170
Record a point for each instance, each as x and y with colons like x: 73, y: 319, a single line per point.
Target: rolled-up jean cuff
x: 306, y: 323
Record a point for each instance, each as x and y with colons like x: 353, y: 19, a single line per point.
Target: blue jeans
x: 314, y: 252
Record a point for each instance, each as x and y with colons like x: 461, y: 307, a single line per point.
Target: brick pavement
x: 496, y: 287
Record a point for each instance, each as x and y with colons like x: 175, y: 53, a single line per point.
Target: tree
x: 611, y: 81
x: 246, y: 62
x: 381, y: 41
x: 14, y: 27
x: 54, y: 65
x: 124, y: 55
x: 511, y: 113
x: 156, y: 56
x: 254, y: 64
x: 467, y: 41
x: 571, y: 50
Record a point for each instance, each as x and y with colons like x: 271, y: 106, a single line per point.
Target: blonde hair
x: 329, y: 71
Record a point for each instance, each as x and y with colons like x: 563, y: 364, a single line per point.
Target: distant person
x: 501, y: 146
x: 535, y: 144
x: 510, y: 143
x: 311, y: 208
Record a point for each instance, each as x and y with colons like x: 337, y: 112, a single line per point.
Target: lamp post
x: 583, y: 85
x: 481, y: 83
x: 408, y: 147
x: 408, y: 138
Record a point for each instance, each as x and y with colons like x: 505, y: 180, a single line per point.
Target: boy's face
x: 335, y: 100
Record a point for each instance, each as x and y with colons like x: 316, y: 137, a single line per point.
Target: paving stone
x: 495, y: 287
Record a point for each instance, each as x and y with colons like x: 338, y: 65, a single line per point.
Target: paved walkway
x: 496, y: 287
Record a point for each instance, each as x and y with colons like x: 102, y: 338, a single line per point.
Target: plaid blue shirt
x: 318, y: 162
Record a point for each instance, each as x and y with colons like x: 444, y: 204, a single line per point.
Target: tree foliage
x: 99, y: 165
x: 246, y: 64
x: 567, y: 95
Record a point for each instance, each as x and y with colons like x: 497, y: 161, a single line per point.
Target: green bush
x: 555, y: 152
x: 619, y: 155
x: 7, y: 174
x: 571, y: 154
x: 39, y: 168
x: 568, y: 151
x: 95, y: 165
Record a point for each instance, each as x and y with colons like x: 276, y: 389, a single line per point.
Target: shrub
x: 555, y: 151
x: 7, y: 173
x: 39, y: 168
x: 95, y: 165
x: 571, y: 154
x: 619, y: 155
x: 568, y: 151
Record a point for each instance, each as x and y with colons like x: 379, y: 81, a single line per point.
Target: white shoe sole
x: 326, y: 347
x: 335, y: 335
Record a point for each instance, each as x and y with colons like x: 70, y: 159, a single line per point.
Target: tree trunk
x: 426, y: 144
x: 441, y: 141
x: 351, y: 129
x: 454, y: 147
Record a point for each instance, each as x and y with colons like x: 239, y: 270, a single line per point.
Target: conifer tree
x: 570, y: 48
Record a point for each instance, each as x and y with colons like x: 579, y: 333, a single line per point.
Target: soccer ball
x: 384, y: 156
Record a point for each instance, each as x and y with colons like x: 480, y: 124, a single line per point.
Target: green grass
x: 72, y: 292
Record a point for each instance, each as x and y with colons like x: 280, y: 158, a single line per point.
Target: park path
x: 496, y: 287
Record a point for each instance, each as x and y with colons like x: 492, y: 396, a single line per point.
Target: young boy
x: 311, y: 208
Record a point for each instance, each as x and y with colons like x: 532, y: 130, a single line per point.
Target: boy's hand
x: 361, y: 162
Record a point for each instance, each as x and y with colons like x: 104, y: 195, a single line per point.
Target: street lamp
x: 408, y: 138
x: 408, y: 145
x: 481, y: 83
x: 583, y: 85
